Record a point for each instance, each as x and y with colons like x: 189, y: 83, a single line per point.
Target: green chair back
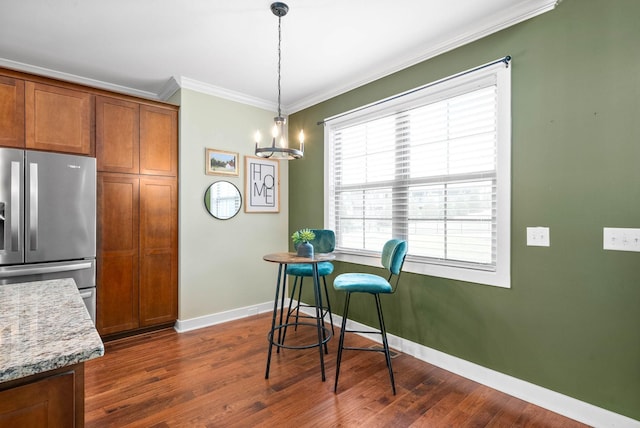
x: 325, y: 240
x: 393, y: 255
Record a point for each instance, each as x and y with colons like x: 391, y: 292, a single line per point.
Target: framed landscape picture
x: 262, y: 185
x: 221, y: 162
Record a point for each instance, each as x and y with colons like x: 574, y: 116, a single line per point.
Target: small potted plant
x: 301, y: 240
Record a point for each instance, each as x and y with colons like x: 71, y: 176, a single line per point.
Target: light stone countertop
x: 44, y: 325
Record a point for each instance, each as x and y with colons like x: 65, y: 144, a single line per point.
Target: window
x: 431, y: 166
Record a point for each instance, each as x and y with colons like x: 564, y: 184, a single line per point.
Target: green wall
x: 571, y: 320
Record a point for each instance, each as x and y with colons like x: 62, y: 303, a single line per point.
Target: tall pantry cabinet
x: 137, y: 158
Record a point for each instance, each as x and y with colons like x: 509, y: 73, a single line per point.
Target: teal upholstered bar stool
x: 393, y: 255
x: 324, y: 242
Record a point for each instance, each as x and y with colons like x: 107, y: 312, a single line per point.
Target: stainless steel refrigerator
x: 48, y: 219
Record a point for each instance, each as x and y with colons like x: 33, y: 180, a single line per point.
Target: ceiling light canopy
x: 279, y: 147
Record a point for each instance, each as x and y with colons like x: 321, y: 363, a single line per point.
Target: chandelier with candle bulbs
x: 279, y: 147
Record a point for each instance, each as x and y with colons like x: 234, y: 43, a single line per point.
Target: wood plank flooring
x: 214, y: 377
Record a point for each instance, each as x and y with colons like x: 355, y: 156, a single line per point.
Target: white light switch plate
x: 538, y: 236
x: 621, y: 239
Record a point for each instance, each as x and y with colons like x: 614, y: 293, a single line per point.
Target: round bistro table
x: 324, y: 334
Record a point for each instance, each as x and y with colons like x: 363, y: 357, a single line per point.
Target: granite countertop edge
x: 17, y: 372
x: 44, y: 326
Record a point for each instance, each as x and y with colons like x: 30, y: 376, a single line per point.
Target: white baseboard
x: 543, y: 397
x: 208, y: 320
x: 529, y: 392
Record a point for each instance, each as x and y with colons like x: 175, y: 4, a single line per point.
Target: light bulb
x: 258, y: 137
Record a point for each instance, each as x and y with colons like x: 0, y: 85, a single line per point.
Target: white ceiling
x: 146, y: 47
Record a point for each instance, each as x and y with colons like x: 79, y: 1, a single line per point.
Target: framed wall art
x: 221, y: 162
x: 262, y: 185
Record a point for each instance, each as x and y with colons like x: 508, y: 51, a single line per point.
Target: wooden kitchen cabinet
x: 11, y: 112
x: 118, y: 237
x: 158, y: 141
x: 136, y: 138
x: 137, y: 159
x: 53, y: 399
x: 138, y: 252
x: 158, y: 250
x: 58, y: 119
x: 117, y: 135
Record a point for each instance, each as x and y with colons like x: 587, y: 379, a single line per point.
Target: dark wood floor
x: 214, y: 377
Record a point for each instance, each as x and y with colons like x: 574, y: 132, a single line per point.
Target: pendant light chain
x: 279, y: 59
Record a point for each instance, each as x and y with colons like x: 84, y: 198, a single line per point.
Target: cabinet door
x: 158, y: 250
x: 11, y: 112
x: 58, y: 119
x: 118, y: 222
x: 117, y: 135
x: 47, y: 402
x: 158, y: 141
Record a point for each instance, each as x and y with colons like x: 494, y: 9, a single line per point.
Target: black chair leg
x: 320, y: 313
x: 297, y: 308
x: 385, y: 344
x: 297, y: 285
x: 341, y: 342
x: 326, y: 293
x: 298, y: 300
x: 293, y: 292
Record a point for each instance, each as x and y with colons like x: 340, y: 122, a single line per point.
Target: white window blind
x: 423, y: 168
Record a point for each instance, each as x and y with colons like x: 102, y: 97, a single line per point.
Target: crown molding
x: 513, y: 15
x: 205, y: 88
x: 74, y: 78
x: 169, y: 88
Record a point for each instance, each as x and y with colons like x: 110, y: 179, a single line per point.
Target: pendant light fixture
x: 279, y: 147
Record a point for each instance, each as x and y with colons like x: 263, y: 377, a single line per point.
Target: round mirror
x: 222, y: 200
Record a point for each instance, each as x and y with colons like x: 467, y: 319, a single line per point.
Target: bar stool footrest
x: 327, y: 336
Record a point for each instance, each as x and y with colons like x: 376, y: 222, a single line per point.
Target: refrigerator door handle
x: 33, y: 206
x: 86, y: 294
x: 7, y: 272
x: 15, y: 206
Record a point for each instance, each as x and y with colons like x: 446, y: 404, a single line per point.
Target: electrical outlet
x: 538, y: 236
x: 621, y: 239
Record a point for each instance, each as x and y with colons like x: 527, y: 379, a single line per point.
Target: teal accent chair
x: 393, y: 255
x: 324, y: 242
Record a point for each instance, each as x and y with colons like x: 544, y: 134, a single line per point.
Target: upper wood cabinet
x: 11, y: 112
x: 136, y: 138
x: 58, y: 119
x: 158, y: 141
x: 117, y: 135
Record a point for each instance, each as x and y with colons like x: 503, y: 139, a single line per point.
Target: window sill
x: 497, y: 279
